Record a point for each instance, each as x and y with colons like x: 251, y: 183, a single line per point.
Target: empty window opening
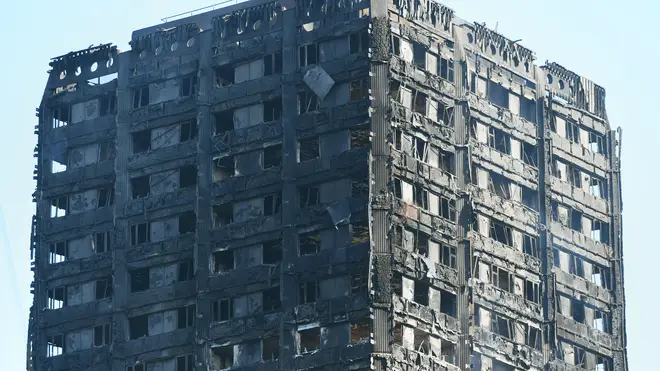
x: 309, y: 243
x: 58, y: 252
x: 580, y: 357
x: 498, y: 95
x: 528, y: 109
x: 186, y: 271
x: 139, y: 280
x: 358, y: 41
x: 188, y: 131
x: 273, y: 204
x: 59, y: 207
x: 106, y: 197
x: 104, y: 288
x: 189, y: 86
x: 499, y: 185
x: 445, y: 114
x: 272, y: 110
x: 419, y: 102
x: 224, y: 76
x: 140, y: 187
x: 223, y: 122
x: 140, y: 233
x: 502, y: 326
x: 141, y: 141
x: 141, y: 97
x: 272, y: 251
x: 223, y: 261
x: 530, y: 246
x: 186, y: 316
x: 185, y: 363
x: 272, y: 64
x: 576, y: 265
x: 448, y: 257
x: 448, y: 353
x: 501, y: 233
x: 603, y: 364
x: 572, y: 131
x: 359, y: 232
x: 55, y: 345
x: 58, y: 167
x: 307, y: 102
x: 599, y: 231
x: 446, y: 161
x: 360, y: 330
x: 448, y: 209
x: 270, y: 348
x: 502, y: 279
x: 309, y: 196
x: 532, y: 336
x: 358, y: 283
x: 56, y: 298
x: 61, y: 116
x: 446, y: 69
x: 308, y: 292
x: 271, y: 299
x: 530, y: 198
x: 575, y: 177
x: 597, y: 187
x: 108, y: 105
x: 395, y: 45
x: 596, y: 143
x: 102, y: 335
x: 308, y: 149
x: 188, y: 176
x: 187, y: 222
x: 448, y: 303
x: 420, y: 196
x: 310, y: 340
x: 101, y: 242
x: 360, y: 186
x: 359, y: 90
x: 223, y: 215
x: 600, y: 276
x: 307, y: 55
x: 601, y: 321
x: 422, y: 341
x: 529, y: 153
x: 222, y: 358
x: 223, y: 168
x: 532, y: 292
x: 397, y: 283
x: 498, y: 140
x: 360, y: 137
x: 421, y: 295
x: 419, y: 55
x: 576, y: 220
x: 223, y: 309
x: 272, y: 156
x: 577, y: 310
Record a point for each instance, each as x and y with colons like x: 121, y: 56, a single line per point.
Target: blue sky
x: 602, y: 40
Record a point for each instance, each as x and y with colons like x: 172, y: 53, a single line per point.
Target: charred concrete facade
x: 325, y: 185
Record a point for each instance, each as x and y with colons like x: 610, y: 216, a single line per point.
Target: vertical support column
x: 380, y: 264
x: 544, y: 154
x: 463, y: 251
x: 616, y: 242
x: 36, y: 335
x: 203, y: 201
x: 122, y: 196
x: 288, y: 282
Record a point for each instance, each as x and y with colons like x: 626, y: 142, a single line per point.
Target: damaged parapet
x: 324, y: 185
x: 575, y: 89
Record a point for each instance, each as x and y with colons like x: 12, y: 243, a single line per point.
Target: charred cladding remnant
x: 324, y: 185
